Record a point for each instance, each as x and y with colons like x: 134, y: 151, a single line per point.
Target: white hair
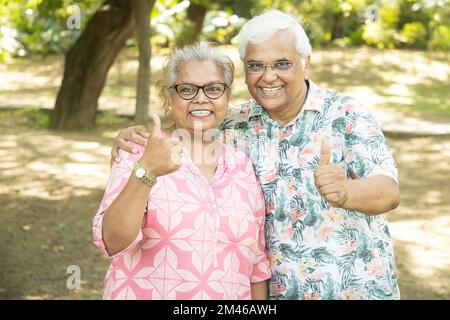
x: 201, y: 51
x: 261, y: 28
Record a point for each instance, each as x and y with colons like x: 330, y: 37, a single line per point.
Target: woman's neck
x: 204, y: 152
x: 203, y: 149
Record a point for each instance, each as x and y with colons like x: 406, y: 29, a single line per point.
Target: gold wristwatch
x: 141, y: 173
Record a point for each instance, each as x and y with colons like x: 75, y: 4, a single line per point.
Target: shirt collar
x: 314, y: 100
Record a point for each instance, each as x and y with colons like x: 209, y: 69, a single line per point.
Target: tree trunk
x: 196, y: 13
x: 143, y: 9
x: 87, y: 64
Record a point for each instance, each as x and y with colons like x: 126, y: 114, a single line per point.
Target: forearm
x: 259, y: 290
x: 123, y: 219
x: 374, y: 195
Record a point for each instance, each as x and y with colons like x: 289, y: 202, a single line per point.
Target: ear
x: 308, y: 59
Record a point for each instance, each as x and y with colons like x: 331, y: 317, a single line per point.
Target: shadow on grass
x: 34, y: 262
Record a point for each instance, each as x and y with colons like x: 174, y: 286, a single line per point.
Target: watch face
x: 140, y: 172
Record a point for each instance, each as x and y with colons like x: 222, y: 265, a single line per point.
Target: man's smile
x: 271, y: 91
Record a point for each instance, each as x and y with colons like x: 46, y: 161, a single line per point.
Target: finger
x: 324, y: 171
x: 330, y: 189
x: 114, y: 154
x: 325, y: 153
x: 143, y: 132
x: 333, y: 198
x: 156, y: 129
x: 138, y: 139
x: 125, y: 146
x: 336, y: 200
x: 322, y: 183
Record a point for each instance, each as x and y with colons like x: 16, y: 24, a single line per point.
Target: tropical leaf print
x: 323, y: 255
x: 332, y: 253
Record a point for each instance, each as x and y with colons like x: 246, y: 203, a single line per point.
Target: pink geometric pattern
x: 198, y: 240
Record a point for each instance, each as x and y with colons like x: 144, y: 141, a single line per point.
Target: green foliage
x: 30, y: 117
x: 440, y: 38
x: 389, y: 14
x: 414, y: 34
x: 356, y: 37
x: 39, y: 27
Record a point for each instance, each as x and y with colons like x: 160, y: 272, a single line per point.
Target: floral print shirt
x: 199, y: 239
x: 317, y: 251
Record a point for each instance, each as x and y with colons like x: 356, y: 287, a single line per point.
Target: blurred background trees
x: 38, y: 27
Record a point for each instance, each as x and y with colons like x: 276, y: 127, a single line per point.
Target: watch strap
x: 147, y: 178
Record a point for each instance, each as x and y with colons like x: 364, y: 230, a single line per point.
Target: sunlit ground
x: 405, y: 82
x: 51, y: 183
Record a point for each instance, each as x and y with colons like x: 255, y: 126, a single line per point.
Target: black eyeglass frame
x: 198, y: 89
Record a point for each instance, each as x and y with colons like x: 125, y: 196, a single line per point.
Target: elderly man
x: 324, y: 166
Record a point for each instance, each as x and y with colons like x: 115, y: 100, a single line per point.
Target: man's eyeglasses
x: 279, y: 67
x: 188, y: 91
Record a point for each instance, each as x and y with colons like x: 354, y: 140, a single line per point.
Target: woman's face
x: 201, y: 112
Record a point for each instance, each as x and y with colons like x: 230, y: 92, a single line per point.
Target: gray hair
x: 201, y: 51
x: 261, y: 28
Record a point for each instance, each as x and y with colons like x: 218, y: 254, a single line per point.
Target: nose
x: 201, y: 97
x: 269, y: 75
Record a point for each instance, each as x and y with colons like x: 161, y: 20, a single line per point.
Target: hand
x: 137, y: 134
x: 161, y: 155
x: 330, y: 179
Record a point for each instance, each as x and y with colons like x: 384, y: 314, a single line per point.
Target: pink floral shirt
x: 198, y: 240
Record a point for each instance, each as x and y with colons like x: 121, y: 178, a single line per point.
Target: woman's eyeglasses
x: 188, y: 91
x: 279, y: 67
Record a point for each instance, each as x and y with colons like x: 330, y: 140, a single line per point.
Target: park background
x: 55, y: 134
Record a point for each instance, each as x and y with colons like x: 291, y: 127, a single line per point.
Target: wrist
x: 143, y: 174
x: 149, y: 167
x: 349, y: 203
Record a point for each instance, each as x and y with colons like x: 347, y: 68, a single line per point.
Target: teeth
x: 269, y: 90
x: 200, y: 113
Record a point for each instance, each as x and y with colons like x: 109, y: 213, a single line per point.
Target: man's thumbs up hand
x: 325, y: 153
x: 330, y: 179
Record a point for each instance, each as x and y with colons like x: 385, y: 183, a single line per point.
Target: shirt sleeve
x: 367, y: 152
x: 232, y: 130
x: 120, y: 173
x: 261, y: 266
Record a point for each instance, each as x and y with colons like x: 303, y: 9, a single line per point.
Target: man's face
x: 278, y: 91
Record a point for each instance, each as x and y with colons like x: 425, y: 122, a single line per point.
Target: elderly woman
x: 178, y: 223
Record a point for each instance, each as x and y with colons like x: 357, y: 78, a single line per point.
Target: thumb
x: 325, y: 153
x: 156, y: 128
